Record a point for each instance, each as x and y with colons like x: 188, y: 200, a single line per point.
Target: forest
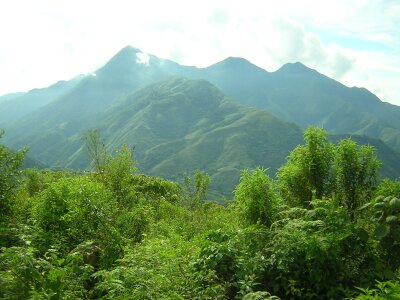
x: 327, y: 226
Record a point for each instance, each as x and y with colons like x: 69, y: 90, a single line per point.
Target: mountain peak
x: 127, y: 50
x: 295, y: 68
x: 237, y: 65
x: 126, y: 54
x: 126, y: 60
x: 235, y: 60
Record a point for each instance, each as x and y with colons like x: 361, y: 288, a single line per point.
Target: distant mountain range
x: 15, y: 106
x: 221, y: 119
x: 301, y: 95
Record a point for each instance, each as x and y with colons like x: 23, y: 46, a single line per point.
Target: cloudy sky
x: 355, y: 42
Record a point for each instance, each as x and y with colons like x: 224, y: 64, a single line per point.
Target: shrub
x: 256, y: 197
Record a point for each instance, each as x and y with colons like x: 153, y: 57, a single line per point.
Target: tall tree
x: 256, y: 197
x: 10, y: 164
x: 195, y: 189
x: 318, y: 159
x: 96, y: 150
x: 308, y: 169
x: 118, y: 174
x: 355, y: 170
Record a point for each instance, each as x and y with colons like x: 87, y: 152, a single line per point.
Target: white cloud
x: 142, y: 58
x: 291, y: 43
x: 380, y: 75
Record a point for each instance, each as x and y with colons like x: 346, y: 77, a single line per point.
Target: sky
x: 354, y: 42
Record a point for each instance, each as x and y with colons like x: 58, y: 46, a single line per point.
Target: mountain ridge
x: 294, y: 94
x: 178, y: 125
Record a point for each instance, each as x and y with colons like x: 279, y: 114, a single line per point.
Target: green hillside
x: 180, y: 125
x: 177, y: 126
x: 33, y: 163
x: 302, y: 95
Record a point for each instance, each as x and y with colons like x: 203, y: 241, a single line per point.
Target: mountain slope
x: 295, y: 93
x: 304, y: 96
x: 10, y: 96
x: 177, y: 126
x: 122, y: 75
x: 15, y: 106
x: 180, y: 125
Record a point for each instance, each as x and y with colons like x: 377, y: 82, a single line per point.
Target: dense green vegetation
x: 326, y: 228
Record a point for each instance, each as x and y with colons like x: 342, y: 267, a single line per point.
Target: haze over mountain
x: 178, y: 125
x: 306, y: 97
x: 17, y: 105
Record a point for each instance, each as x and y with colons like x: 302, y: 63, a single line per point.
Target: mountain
x: 180, y: 125
x: 297, y: 94
x: 10, y: 96
x: 91, y: 95
x: 301, y: 95
x: 294, y: 93
x: 30, y: 162
x: 15, y: 106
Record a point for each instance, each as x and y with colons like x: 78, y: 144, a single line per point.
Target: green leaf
x: 391, y: 219
x: 365, y: 206
x: 395, y: 204
x: 380, y: 205
x: 387, y: 199
x: 363, y: 235
x: 381, y: 231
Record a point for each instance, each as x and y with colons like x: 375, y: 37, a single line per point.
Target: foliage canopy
x: 320, y: 231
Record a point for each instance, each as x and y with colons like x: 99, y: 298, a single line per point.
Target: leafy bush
x: 195, y: 189
x: 256, y: 197
x: 317, y: 254
x: 388, y: 187
x: 356, y: 174
x: 226, y: 265
x: 308, y: 170
x: 155, y: 189
x: 10, y: 174
x: 117, y: 176
x: 389, y: 290
x: 154, y: 269
x: 347, y: 172
x: 386, y: 216
x: 73, y: 210
x: 23, y: 275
